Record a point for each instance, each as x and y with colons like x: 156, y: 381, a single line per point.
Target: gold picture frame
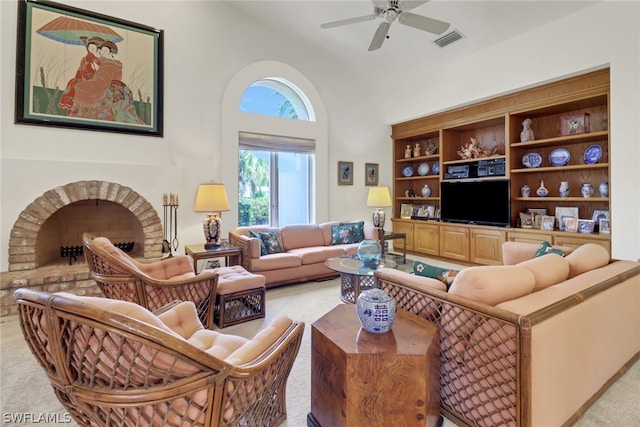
x: 345, y: 173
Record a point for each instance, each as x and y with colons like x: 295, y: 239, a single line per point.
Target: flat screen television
x: 484, y: 202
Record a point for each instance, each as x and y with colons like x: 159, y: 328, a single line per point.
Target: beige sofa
x: 533, y: 343
x: 306, y: 247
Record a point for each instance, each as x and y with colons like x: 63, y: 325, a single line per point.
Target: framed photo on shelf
x: 570, y: 224
x: 345, y: 173
x: 547, y: 222
x: 565, y: 212
x: 406, y: 210
x: 573, y: 124
x: 371, y: 174
x: 526, y: 220
x: 604, y: 227
x: 59, y: 84
x: 585, y: 226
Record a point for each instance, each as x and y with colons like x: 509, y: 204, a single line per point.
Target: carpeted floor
x: 25, y: 389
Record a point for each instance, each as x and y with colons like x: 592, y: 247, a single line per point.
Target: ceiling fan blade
x: 379, y: 36
x: 348, y: 21
x: 423, y: 23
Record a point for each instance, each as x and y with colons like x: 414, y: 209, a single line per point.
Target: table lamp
x: 211, y: 198
x: 379, y: 198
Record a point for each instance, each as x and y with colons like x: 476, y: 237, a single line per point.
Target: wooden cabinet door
x: 406, y: 228
x: 454, y: 242
x: 426, y: 239
x: 486, y: 246
x: 578, y: 240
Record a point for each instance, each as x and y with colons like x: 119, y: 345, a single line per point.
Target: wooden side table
x: 364, y: 379
x: 231, y: 254
x: 384, y: 235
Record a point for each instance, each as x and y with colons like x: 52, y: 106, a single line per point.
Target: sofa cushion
x: 346, y: 233
x: 301, y: 236
x: 317, y: 254
x: 587, y: 257
x: 546, y: 248
x: 445, y: 275
x: 275, y: 262
x: 264, y: 339
x: 493, y: 284
x: 515, y: 252
x: 548, y: 270
x: 410, y: 280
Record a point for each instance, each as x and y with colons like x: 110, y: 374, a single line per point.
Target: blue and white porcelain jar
x: 376, y: 310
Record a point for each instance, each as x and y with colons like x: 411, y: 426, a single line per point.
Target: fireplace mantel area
x: 46, y: 238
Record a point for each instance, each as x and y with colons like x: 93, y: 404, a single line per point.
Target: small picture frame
x: 406, y: 210
x: 371, y: 174
x: 547, y: 222
x: 537, y: 221
x: 565, y: 212
x: 430, y: 212
x: 604, y: 226
x: 526, y: 220
x: 345, y: 173
x: 586, y: 226
x: 570, y: 224
x: 574, y: 124
x: 436, y: 215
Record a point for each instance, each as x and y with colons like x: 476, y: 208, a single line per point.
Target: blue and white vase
x: 542, y: 190
x: 603, y: 188
x: 587, y: 190
x: 376, y: 310
x: 564, y: 189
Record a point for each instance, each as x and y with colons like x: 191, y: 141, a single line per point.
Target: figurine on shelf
x: 527, y: 132
x: 430, y: 148
x: 416, y: 150
x: 407, y: 152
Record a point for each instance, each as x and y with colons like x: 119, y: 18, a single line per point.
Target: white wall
x: 607, y: 33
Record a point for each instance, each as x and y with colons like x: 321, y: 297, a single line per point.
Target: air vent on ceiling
x: 449, y: 38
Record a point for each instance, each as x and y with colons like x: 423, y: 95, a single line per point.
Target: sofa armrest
x: 249, y: 246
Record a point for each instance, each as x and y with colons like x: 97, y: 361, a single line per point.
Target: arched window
x: 275, y: 173
x: 273, y: 96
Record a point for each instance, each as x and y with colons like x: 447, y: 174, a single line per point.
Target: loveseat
x: 296, y: 253
x: 531, y: 343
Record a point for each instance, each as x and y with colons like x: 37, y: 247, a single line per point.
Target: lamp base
x: 378, y: 218
x: 211, y: 226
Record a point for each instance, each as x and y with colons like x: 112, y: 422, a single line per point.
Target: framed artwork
x: 83, y: 70
x: 585, y: 225
x: 526, y: 220
x: 345, y: 173
x: 604, y: 226
x: 371, y: 174
x: 547, y: 222
x: 571, y: 124
x: 406, y: 210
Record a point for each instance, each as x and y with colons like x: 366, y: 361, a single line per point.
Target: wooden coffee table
x: 364, y: 379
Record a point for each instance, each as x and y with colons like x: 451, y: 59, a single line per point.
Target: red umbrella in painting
x: 74, y: 31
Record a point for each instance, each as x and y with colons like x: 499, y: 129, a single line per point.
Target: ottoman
x: 240, y: 296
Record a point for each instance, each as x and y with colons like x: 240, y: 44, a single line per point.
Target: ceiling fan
x: 389, y: 11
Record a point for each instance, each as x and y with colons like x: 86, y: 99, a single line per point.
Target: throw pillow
x: 346, y: 233
x: 270, y: 241
x: 263, y: 248
x: 445, y: 275
x: 546, y: 248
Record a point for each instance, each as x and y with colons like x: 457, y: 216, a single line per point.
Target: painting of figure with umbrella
x: 86, y: 70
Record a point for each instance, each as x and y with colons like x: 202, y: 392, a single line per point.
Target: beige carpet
x: 25, y: 389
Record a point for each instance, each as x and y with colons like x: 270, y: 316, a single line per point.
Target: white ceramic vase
x: 603, y: 188
x: 587, y: 190
x: 426, y: 191
x: 564, y: 189
x: 542, y: 190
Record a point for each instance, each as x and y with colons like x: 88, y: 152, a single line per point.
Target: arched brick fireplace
x: 82, y: 201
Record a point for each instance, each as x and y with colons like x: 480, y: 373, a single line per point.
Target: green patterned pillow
x: 346, y: 233
x: 546, y: 248
x: 271, y: 243
x: 263, y: 248
x: 445, y: 275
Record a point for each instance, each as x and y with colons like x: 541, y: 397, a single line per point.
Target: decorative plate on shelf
x: 559, y: 157
x: 423, y: 169
x: 407, y: 171
x: 435, y: 168
x: 532, y: 160
x: 592, y: 154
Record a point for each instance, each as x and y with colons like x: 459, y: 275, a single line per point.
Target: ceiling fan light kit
x: 389, y: 11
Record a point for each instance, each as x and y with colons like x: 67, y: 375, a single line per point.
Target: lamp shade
x: 379, y: 197
x: 211, y: 198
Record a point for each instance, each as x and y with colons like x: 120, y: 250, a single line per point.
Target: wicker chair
x: 151, y: 285
x: 114, y: 363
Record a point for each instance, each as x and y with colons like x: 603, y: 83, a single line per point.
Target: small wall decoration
x: 345, y: 173
x: 83, y: 70
x: 573, y: 124
x: 371, y: 174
